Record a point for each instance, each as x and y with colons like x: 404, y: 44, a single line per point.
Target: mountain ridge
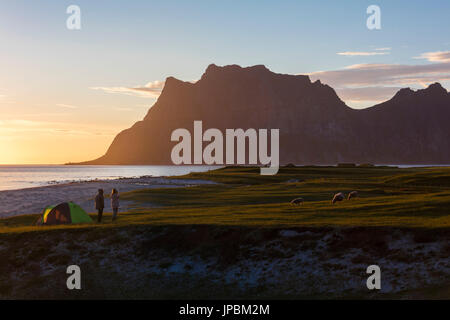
x: 316, y: 126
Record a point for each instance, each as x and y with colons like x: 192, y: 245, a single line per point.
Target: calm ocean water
x: 14, y: 177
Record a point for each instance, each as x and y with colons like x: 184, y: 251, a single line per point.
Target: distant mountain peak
x: 404, y: 92
x: 316, y: 127
x: 172, y: 80
x: 436, y: 88
x: 234, y: 67
x: 172, y: 84
x: 213, y: 70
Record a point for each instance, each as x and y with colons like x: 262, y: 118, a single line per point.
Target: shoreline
x: 15, y: 177
x: 33, y: 200
x: 53, y: 183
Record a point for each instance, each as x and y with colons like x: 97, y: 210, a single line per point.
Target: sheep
x: 353, y: 194
x: 338, y: 197
x: 297, y: 201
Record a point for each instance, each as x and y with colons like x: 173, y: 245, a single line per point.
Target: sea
x: 13, y: 177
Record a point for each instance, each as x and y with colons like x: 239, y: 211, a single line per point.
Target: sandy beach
x: 34, y: 200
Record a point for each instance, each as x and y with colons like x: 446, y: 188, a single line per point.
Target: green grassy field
x: 413, y: 197
x: 239, y: 217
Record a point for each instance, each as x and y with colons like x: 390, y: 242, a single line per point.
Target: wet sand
x: 34, y: 200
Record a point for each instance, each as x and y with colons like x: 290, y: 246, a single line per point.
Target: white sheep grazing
x: 353, y: 194
x: 297, y: 201
x: 338, y: 197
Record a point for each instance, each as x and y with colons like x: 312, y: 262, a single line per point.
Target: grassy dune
x: 245, y: 215
x: 416, y: 197
x: 388, y: 197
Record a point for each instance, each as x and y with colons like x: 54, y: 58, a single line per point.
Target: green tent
x: 64, y: 213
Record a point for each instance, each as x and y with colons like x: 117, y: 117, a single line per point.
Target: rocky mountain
x: 316, y: 127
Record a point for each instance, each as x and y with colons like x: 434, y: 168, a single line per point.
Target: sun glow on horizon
x: 53, y: 142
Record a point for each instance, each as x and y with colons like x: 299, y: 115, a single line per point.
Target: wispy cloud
x: 149, y: 90
x: 123, y: 109
x: 362, y: 53
x: 4, y: 99
x: 67, y: 106
x: 384, y: 74
x: 367, y: 94
x: 373, y: 52
x: 25, y: 126
x: 437, y: 56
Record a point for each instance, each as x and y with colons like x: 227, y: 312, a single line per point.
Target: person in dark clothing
x: 99, y: 204
x: 114, y: 203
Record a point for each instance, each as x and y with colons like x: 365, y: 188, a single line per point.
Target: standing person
x: 99, y: 204
x: 114, y: 203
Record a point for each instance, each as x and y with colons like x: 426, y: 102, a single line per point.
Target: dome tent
x: 63, y: 213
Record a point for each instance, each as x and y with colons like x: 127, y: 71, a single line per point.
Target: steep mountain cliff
x: 316, y: 127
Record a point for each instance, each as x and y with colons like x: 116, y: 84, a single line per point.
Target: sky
x: 65, y: 94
